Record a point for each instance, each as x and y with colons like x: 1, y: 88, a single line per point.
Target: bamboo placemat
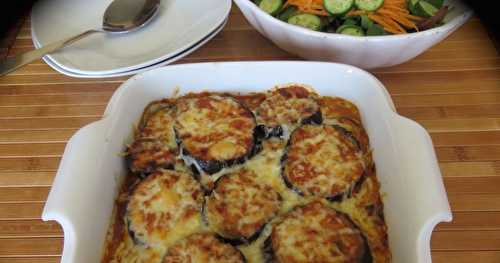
x: 453, y: 90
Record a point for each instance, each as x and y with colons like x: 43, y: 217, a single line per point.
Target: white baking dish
x: 92, y: 169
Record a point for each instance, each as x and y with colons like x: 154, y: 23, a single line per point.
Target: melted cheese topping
x: 164, y: 206
x: 287, y: 106
x: 155, y: 145
x: 341, y: 112
x: 335, y: 107
x: 239, y: 206
x: 322, y: 161
x: 160, y: 126
x: 204, y: 248
x: 147, y: 155
x: 363, y: 206
x: 214, y: 127
x: 316, y: 233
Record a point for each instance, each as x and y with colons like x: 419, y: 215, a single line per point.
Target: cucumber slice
x: 425, y: 9
x: 368, y: 5
x: 412, y: 6
x: 350, y: 21
x: 288, y: 12
x: 366, y: 22
x: 271, y: 7
x: 375, y: 30
x: 351, y: 30
x: 310, y: 21
x: 338, y: 7
x: 436, y: 3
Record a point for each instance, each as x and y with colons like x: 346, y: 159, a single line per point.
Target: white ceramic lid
x: 178, y: 26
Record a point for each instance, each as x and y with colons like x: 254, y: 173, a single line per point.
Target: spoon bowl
x: 123, y: 16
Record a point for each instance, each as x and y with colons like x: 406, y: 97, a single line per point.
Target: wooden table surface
x: 453, y: 90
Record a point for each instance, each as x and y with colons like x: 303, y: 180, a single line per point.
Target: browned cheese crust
x: 316, y: 233
x: 214, y: 128
x: 287, y: 106
x: 344, y: 113
x: 322, y: 161
x: 202, y: 248
x: 162, y: 202
x: 155, y: 145
x: 240, y: 206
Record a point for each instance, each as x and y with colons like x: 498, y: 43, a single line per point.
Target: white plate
x: 184, y: 53
x: 92, y: 169
x: 178, y: 25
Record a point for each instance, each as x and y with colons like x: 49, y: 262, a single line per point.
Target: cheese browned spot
x: 160, y: 125
x: 322, y: 161
x: 288, y: 106
x: 214, y: 128
x: 155, y: 145
x: 316, y: 233
x: 240, y: 206
x: 251, y: 101
x: 161, y: 204
x: 335, y: 107
x: 147, y: 155
x: 338, y: 111
x: 202, y: 248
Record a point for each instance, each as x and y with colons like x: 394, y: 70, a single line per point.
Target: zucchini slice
x: 425, y: 9
x: 375, y: 30
x: 288, y: 12
x: 369, y: 5
x: 310, y: 21
x: 338, y: 7
x: 271, y: 7
x: 412, y: 6
x: 351, y: 30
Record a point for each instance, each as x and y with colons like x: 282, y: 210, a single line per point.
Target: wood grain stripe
x: 36, y: 136
x: 465, y: 256
x: 466, y: 240
x: 26, y: 178
x: 471, y: 221
x: 467, y: 169
x: 33, y: 259
x: 49, y: 246
x: 29, y: 228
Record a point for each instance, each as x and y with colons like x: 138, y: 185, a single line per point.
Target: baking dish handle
x: 421, y: 172
x: 64, y: 204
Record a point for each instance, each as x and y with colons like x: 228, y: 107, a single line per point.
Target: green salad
x: 358, y: 17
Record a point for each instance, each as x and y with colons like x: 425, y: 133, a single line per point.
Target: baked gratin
x: 282, y: 176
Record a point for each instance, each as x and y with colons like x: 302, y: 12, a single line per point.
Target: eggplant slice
x: 287, y: 108
x: 239, y: 207
x: 341, y: 112
x: 148, y: 155
x: 203, y: 247
x: 322, y: 161
x: 214, y: 131
x: 316, y: 233
x: 155, y: 145
x: 162, y: 202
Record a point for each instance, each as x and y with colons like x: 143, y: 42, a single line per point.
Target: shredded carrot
x: 309, y: 6
x: 393, y: 15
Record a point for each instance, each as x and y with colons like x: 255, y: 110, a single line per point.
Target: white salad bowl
x: 365, y: 52
x: 92, y: 168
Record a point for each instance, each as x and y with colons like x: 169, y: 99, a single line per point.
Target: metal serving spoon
x: 121, y: 16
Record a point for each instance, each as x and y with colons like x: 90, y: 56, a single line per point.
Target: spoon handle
x: 10, y: 64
